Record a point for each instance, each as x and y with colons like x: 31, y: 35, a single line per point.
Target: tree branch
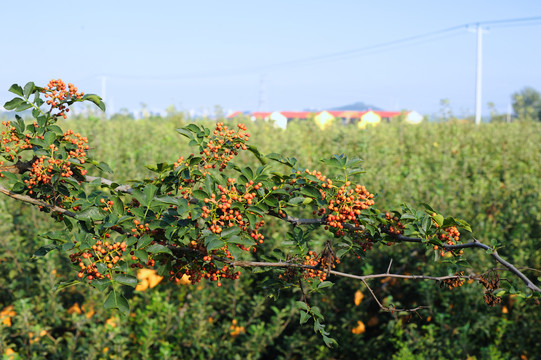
x: 29, y: 200
x: 293, y: 220
x: 477, y: 244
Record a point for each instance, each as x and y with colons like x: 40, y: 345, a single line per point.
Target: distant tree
x: 527, y: 104
x: 495, y: 116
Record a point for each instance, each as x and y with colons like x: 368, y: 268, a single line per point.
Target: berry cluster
x: 454, y: 282
x: 224, y: 145
x: 394, y: 226
x: 218, y: 209
x: 44, y: 167
x: 323, y: 263
x: 11, y: 144
x: 101, y: 252
x: 346, y: 206
x: 196, y: 271
x: 139, y: 228
x: 79, y: 145
x: 236, y: 330
x: 450, y: 237
x: 490, y: 282
x: 57, y: 94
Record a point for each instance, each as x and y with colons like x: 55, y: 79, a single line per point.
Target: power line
x: 366, y: 50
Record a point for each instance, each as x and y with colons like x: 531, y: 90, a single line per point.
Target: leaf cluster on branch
x: 204, y: 218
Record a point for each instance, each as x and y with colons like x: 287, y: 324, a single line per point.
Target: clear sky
x: 273, y: 55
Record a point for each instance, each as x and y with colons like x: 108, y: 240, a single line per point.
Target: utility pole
x: 478, y: 102
x: 262, y: 103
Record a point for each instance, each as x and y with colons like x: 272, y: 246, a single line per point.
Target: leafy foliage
x: 178, y: 222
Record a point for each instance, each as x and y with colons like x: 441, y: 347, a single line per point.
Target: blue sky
x: 197, y: 54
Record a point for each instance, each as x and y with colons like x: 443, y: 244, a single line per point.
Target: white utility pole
x: 478, y: 103
x: 262, y: 103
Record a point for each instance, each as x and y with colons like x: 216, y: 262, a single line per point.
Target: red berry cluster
x: 57, y: 94
x: 321, y: 263
x: 101, y: 252
x: 346, y: 206
x: 139, y: 228
x: 81, y: 145
x: 197, y: 270
x: 11, y: 144
x: 44, y: 167
x: 218, y: 209
x: 394, y: 227
x: 450, y: 237
x: 224, y: 145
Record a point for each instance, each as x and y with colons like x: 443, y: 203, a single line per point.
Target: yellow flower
x: 358, y: 297
x: 6, y: 314
x: 185, y: 280
x: 111, y: 321
x: 10, y: 353
x: 359, y: 329
x: 148, y: 279
x: 75, y: 308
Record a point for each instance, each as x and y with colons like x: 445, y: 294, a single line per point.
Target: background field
x: 489, y: 175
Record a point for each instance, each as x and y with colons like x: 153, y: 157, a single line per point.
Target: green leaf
x: 213, y: 243
x: 140, y: 197
x: 316, y: 312
x: 310, y: 191
x: 230, y: 232
x: 144, y: 241
x: 44, y: 250
x: 241, y: 240
x: 330, y: 342
x: 257, y: 154
x: 96, y: 100
x: 256, y: 210
x: 304, y: 317
x: 28, y: 89
x: 408, y: 217
x: 438, y: 219
x: 150, y: 192
x: 428, y: 208
x: 186, y: 133
x: 23, y: 106
x: 159, y: 249
x: 91, y: 213
x: 116, y: 300
x: 200, y: 194
x: 235, y: 251
x: 296, y: 200
x: 49, y: 137
x: 16, y: 89
x: 141, y: 255
x: 125, y: 279
x: 325, y: 284
x: 65, y: 284
x: 193, y: 128
x: 118, y: 205
x: 12, y: 104
x: 302, y: 305
x: 104, y: 167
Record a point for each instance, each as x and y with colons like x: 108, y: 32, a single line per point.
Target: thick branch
x: 29, y: 200
x: 20, y: 167
x: 477, y: 244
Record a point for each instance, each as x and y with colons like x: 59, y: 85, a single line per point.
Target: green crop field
x: 489, y: 175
